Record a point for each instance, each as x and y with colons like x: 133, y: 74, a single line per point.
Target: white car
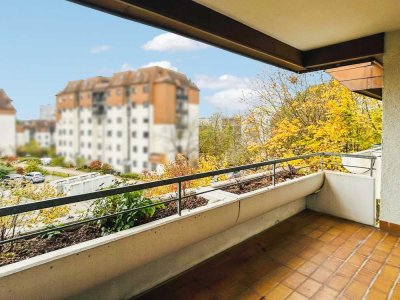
x: 34, y: 177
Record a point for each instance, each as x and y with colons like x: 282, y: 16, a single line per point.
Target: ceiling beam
x: 201, y: 23
x: 350, y: 52
x: 198, y: 22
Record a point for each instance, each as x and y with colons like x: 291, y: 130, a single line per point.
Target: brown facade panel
x: 164, y: 103
x: 193, y: 95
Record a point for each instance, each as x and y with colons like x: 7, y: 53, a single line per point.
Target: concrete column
x: 390, y: 202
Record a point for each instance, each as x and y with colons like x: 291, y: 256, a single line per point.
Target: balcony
x: 311, y: 236
x: 308, y: 256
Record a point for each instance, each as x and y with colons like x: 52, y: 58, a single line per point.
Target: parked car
x: 34, y: 177
x: 11, y: 177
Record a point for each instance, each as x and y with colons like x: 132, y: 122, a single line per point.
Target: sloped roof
x: 5, y: 102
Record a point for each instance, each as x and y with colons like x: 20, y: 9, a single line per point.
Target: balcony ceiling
x: 297, y: 35
x: 310, y: 24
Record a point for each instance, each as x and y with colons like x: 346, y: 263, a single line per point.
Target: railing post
x: 322, y: 161
x: 273, y: 173
x: 371, y: 170
x: 179, y: 201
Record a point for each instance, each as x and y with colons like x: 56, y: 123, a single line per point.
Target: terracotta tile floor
x: 309, y: 256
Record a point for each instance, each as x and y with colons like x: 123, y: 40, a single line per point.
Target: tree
x: 302, y: 118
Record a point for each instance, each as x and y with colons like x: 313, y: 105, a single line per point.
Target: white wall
x: 8, y: 140
x: 347, y: 196
x: 390, y: 202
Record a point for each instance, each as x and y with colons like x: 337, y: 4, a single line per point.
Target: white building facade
x: 7, y: 124
x: 134, y: 121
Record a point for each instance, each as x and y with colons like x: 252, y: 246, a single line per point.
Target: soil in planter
x: 24, y: 249
x: 258, y: 183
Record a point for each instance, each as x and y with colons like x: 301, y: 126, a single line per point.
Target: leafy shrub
x: 131, y: 176
x: 95, y: 165
x: 34, y: 166
x: 122, y: 202
x: 19, y: 170
x: 107, y: 169
x: 80, y: 162
x: 58, y: 161
x: 4, y: 170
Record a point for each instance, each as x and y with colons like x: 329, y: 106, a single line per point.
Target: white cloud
x: 172, y: 42
x: 230, y: 100
x: 126, y: 67
x: 163, y: 63
x: 100, y: 49
x: 226, y: 81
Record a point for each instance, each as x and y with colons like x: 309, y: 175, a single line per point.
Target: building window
x: 145, y: 88
x: 145, y: 149
x: 70, y: 132
x: 119, y: 92
x: 109, y: 133
x: 70, y: 144
x: 146, y: 120
x: 82, y: 133
x: 82, y: 144
x: 89, y: 157
x: 98, y: 146
x: 145, y: 164
x: 99, y: 121
x: 153, y: 167
x: 145, y: 134
x: 109, y: 147
x: 118, y: 147
x: 134, y: 120
x: 134, y: 148
x: 89, y: 132
x: 133, y: 134
x: 89, y: 145
x: 134, y: 163
x: 133, y: 105
x: 110, y: 161
x: 109, y: 121
x: 118, y: 162
x: 89, y: 120
x: 146, y: 104
x: 133, y: 90
x: 119, y: 133
x: 119, y: 120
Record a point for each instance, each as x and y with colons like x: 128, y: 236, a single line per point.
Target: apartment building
x: 7, y: 125
x: 134, y: 120
x: 41, y: 131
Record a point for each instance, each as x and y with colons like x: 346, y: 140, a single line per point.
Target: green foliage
x: 34, y: 166
x: 135, y: 176
x: 33, y: 148
x: 122, y: 202
x: 107, y: 169
x: 5, y: 170
x: 58, y: 161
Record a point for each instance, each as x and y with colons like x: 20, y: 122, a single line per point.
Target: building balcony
x: 308, y: 256
x: 312, y: 237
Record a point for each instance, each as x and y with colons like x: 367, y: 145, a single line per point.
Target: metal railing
x: 273, y: 173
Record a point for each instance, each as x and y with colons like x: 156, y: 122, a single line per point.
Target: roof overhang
x: 221, y: 23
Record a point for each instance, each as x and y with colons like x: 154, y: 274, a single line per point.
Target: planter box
x: 126, y: 263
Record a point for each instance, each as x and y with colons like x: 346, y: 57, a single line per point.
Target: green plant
x: 34, y: 166
x: 4, y: 170
x: 119, y: 203
x: 58, y: 161
x: 107, y: 169
x: 131, y: 176
x: 80, y: 162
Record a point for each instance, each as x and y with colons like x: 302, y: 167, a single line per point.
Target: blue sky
x: 46, y: 43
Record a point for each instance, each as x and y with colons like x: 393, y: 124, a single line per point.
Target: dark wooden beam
x: 198, y: 22
x: 201, y: 23
x: 350, y: 52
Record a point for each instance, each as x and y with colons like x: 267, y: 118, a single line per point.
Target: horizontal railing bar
x: 26, y: 207
x: 348, y: 155
x: 36, y: 233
